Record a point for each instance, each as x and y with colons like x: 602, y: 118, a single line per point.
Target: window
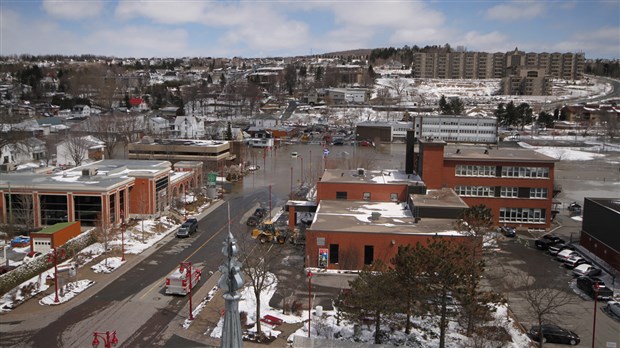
x: 474, y: 191
x: 333, y: 253
x: 366, y: 196
x: 523, y: 215
x: 474, y: 170
x: 538, y: 192
x: 341, y: 195
x: 394, y: 197
x: 368, y: 254
x: 525, y: 172
x: 511, y: 192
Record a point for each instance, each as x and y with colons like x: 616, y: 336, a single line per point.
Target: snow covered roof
x: 386, y: 176
x: 357, y: 217
x: 109, y: 174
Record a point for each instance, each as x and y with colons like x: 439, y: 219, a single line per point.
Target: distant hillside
x: 350, y: 53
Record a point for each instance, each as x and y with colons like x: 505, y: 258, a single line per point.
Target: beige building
x: 483, y: 65
x: 175, y: 150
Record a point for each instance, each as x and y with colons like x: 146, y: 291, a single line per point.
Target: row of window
x: 503, y: 191
x: 473, y: 170
x: 525, y: 172
x: 522, y: 215
x: 506, y: 172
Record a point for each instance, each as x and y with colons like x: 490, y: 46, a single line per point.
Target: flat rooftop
x: 109, y: 173
x: 394, y: 218
x: 182, y: 142
x: 494, y: 154
x: 386, y: 176
x: 445, y: 197
x: 610, y: 203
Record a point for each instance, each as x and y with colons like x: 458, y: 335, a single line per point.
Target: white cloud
x: 516, y: 11
x: 486, y: 42
x: 167, y: 12
x: 73, y: 9
x: 604, y: 41
x: 47, y: 37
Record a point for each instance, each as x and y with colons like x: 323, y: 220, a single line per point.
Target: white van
x: 177, y: 284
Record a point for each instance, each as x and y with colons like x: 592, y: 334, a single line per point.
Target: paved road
x: 134, y: 304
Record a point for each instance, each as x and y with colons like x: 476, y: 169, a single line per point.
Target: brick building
x: 363, y: 216
x: 517, y: 184
x: 96, y: 193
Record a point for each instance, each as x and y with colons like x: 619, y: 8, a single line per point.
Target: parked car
x: 192, y: 221
x: 564, y: 254
x: 260, y: 213
x: 338, y: 142
x: 186, y: 230
x: 294, y: 154
x: 252, y: 221
x: 31, y: 256
x: 586, y: 269
x: 508, y: 231
x: 545, y: 242
x: 586, y: 284
x: 613, y: 307
x: 556, y: 248
x: 574, y: 209
x: 555, y: 334
x: 574, y: 261
x: 20, y: 241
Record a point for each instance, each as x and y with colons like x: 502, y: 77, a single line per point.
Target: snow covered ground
x: 324, y: 324
x: 137, y: 239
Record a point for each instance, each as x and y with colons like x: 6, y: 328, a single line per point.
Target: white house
x: 188, y: 127
x: 158, y: 125
x: 86, y: 149
x: 265, y: 121
x: 80, y: 110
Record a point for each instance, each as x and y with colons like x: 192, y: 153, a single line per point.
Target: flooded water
x: 287, y: 167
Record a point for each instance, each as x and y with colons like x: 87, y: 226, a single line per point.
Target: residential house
x: 188, y: 127
x: 83, y: 149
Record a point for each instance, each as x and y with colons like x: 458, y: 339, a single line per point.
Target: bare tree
x: 260, y: 261
x: 106, y: 128
x: 77, y: 148
x: 543, y: 303
x: 399, y: 85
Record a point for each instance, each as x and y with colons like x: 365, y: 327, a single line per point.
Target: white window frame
x: 509, y: 192
x: 538, y: 192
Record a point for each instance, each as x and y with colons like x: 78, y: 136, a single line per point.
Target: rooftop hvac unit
x: 375, y: 215
x: 89, y: 172
x: 360, y: 171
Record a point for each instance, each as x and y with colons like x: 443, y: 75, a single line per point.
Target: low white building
x: 453, y: 128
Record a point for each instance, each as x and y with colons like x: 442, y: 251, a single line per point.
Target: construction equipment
x: 268, y: 232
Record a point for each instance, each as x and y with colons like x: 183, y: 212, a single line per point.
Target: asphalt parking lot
x: 518, y: 260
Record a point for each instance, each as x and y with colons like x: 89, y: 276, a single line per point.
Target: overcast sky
x: 264, y: 28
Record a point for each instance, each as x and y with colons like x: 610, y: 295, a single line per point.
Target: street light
x: 309, y: 300
x: 594, y: 322
x: 53, y: 257
x: 109, y: 340
x: 188, y: 266
x: 122, y: 235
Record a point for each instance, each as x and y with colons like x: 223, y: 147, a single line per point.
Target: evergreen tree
x: 372, y: 295
x: 545, y: 119
x: 444, y: 106
x: 229, y: 134
x: 456, y: 106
